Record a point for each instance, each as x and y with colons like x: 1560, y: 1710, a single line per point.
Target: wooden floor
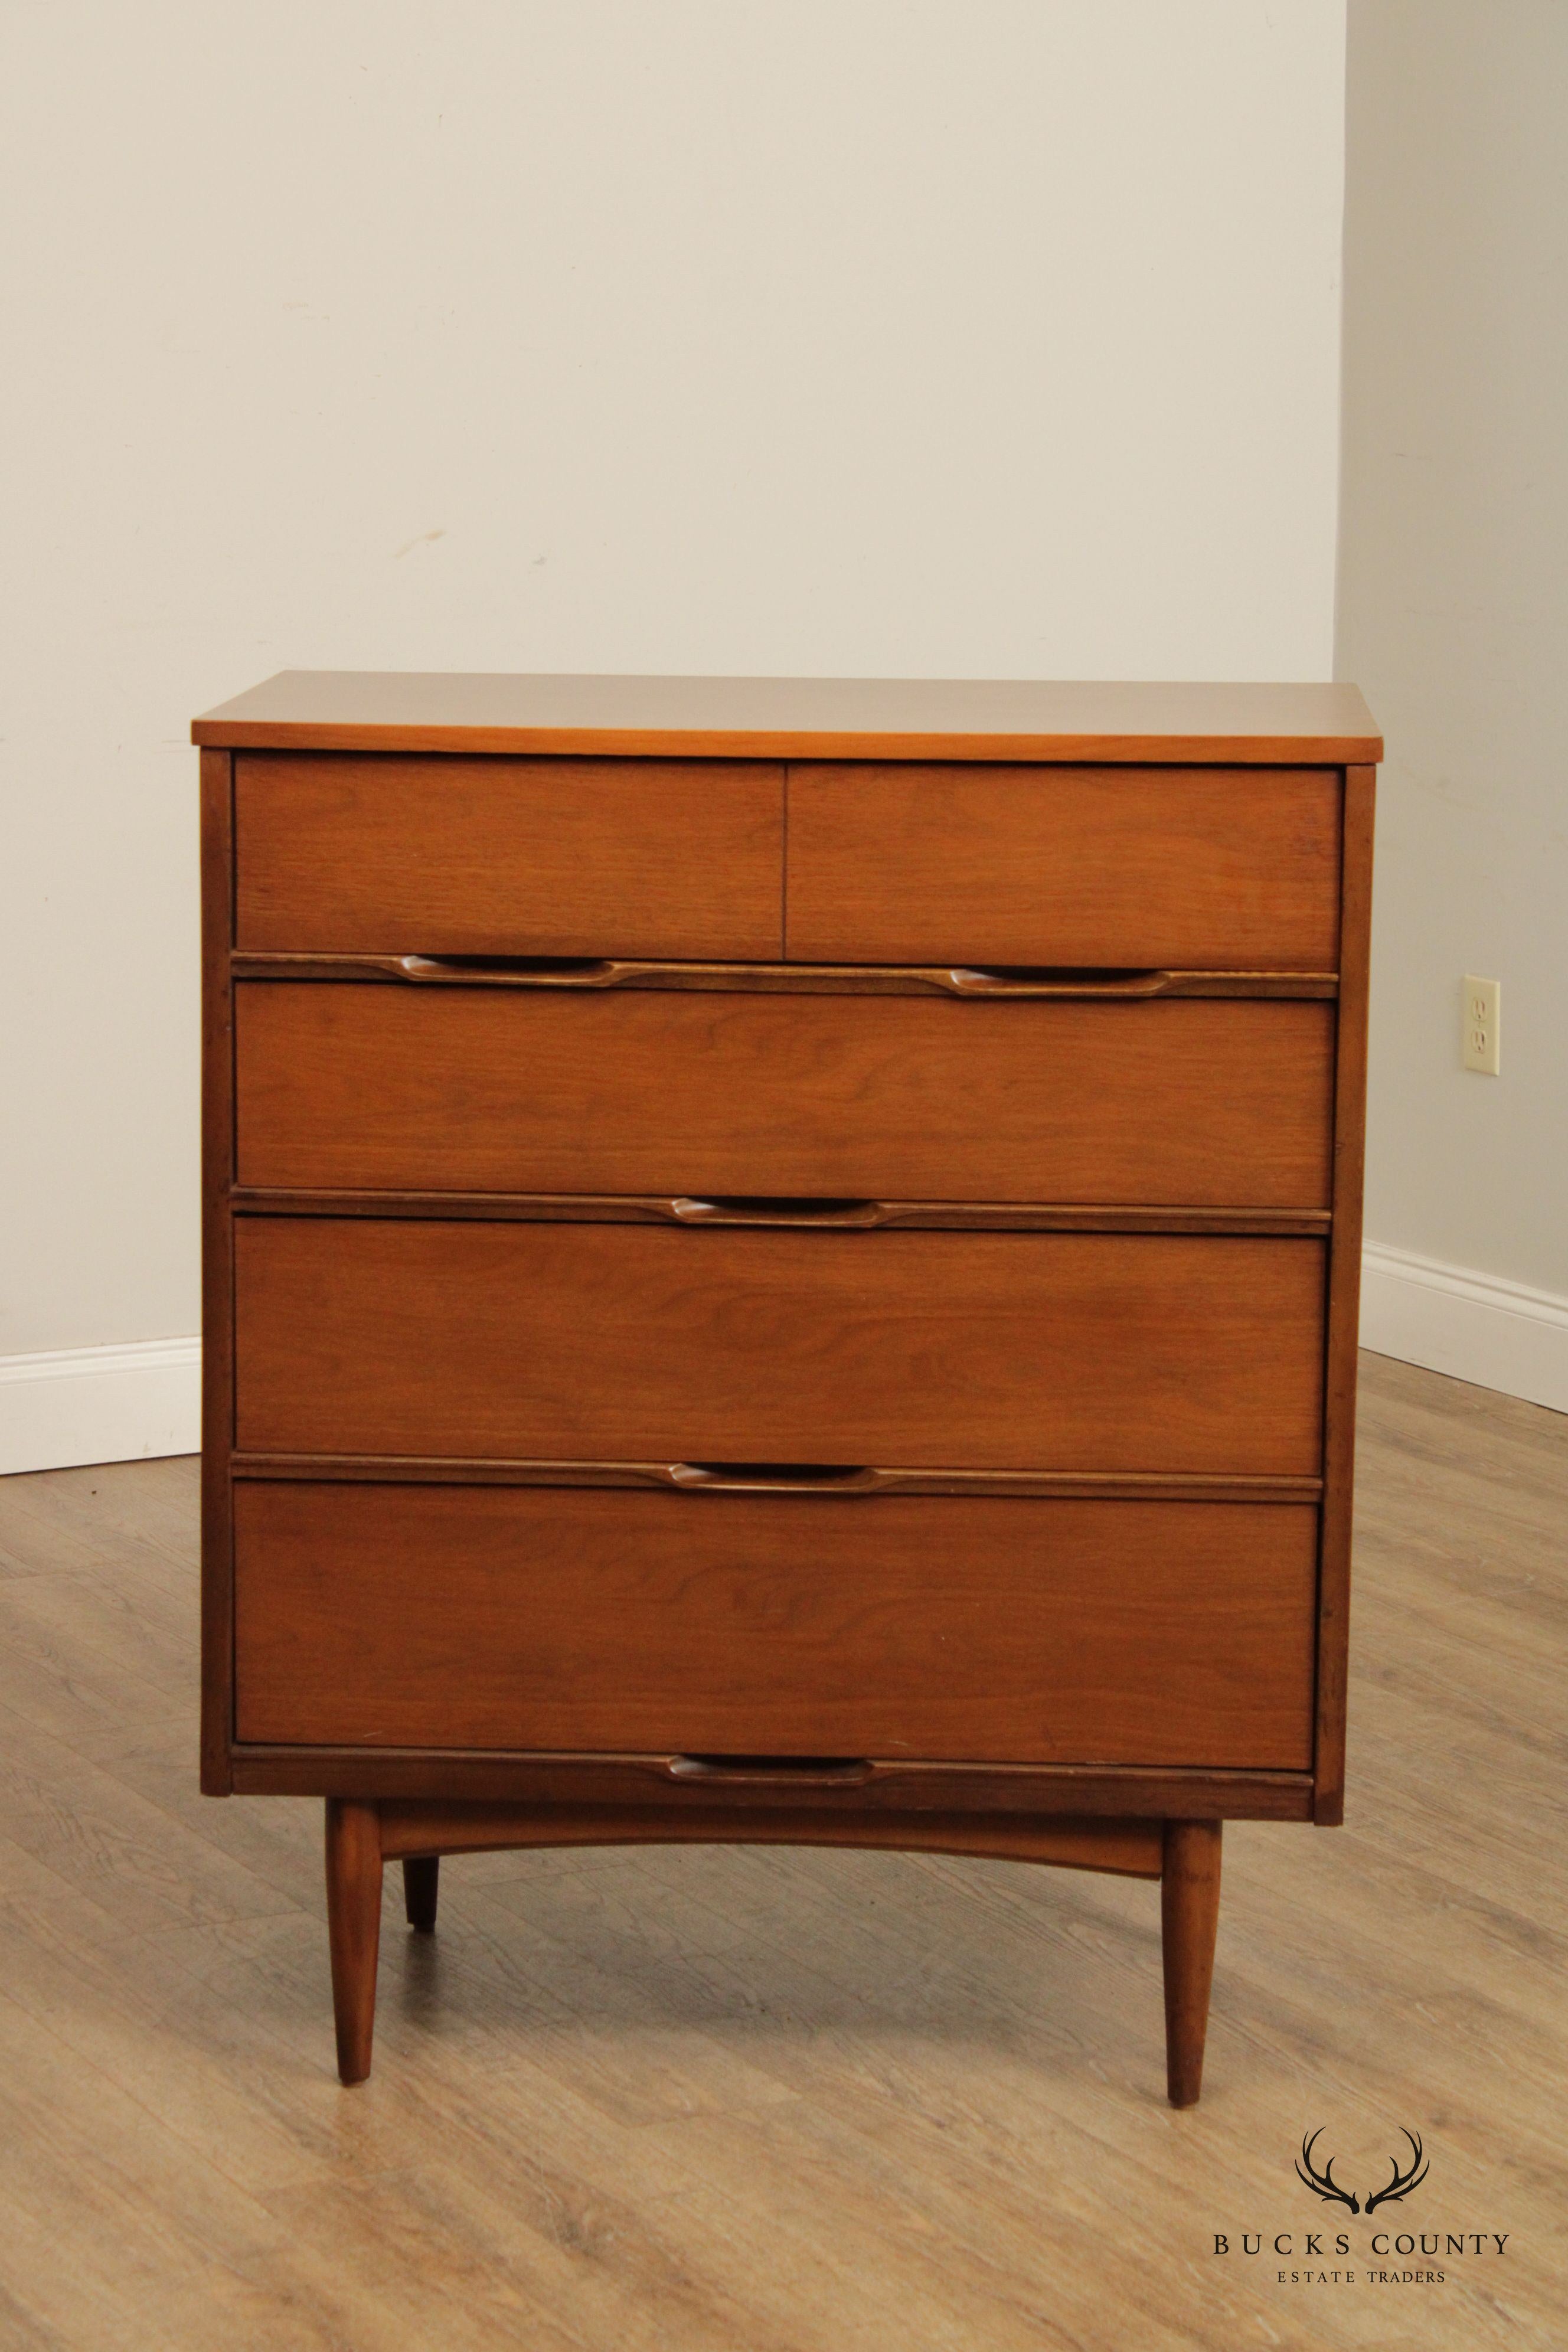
x: 766, y: 2102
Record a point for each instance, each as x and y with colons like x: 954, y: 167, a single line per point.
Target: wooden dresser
x: 781, y: 1265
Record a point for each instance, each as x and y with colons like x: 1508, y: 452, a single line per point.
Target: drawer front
x: 1077, y: 1353
x: 338, y: 854
x: 1094, y: 1632
x: 892, y: 1097
x: 1207, y: 870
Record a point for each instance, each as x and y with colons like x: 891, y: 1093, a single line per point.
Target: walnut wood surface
x: 868, y: 1508
x: 1011, y: 1631
x: 1127, y: 1849
x: 508, y: 856
x: 581, y: 975
x: 1105, y: 1352
x: 353, y: 1927
x: 1189, y: 1917
x: 217, y: 1270
x: 864, y: 1483
x: 884, y: 1097
x: 1197, y: 869
x: 892, y: 1786
x: 857, y: 1216
x: 1344, y: 1297
x: 784, y: 718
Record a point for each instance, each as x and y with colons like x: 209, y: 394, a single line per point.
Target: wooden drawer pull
x: 774, y: 1477
x: 761, y: 1209
x: 578, y: 974
x: 507, y: 972
x: 1046, y: 979
x: 606, y: 972
x: 807, y: 1772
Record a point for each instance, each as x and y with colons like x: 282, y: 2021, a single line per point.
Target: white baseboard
x: 1474, y: 1327
x: 99, y: 1404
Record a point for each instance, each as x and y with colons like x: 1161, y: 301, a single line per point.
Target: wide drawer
x: 892, y: 1097
x: 637, y: 857
x: 1197, y: 869
x: 1079, y: 1352
x: 1114, y: 1632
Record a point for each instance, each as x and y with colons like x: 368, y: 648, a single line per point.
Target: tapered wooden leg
x: 1189, y: 1915
x: 421, y: 1885
x: 353, y: 1924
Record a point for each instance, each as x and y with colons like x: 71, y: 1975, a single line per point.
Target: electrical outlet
x: 1481, y: 1026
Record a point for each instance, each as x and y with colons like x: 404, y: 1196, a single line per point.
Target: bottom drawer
x: 944, y: 1628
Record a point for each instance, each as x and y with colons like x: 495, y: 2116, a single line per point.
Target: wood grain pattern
x: 1198, y: 869
x: 1189, y: 1917
x: 353, y: 1927
x: 882, y: 1097
x: 1154, y: 1633
x: 864, y: 1482
x: 799, y: 1210
x: 804, y: 719
x: 508, y: 857
x: 1128, y: 1849
x: 1100, y: 1351
x: 891, y: 1786
x: 217, y: 1269
x: 1345, y: 1297
x: 583, y: 976
x: 644, y: 1531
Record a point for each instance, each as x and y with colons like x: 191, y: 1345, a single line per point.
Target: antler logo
x: 1323, y: 2184
x: 1403, y: 2183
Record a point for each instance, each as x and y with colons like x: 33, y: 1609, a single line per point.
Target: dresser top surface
x: 795, y: 717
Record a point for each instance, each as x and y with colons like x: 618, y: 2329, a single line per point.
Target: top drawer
x: 1197, y: 869
x: 341, y: 853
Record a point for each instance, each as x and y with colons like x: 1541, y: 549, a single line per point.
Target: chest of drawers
x: 781, y: 1265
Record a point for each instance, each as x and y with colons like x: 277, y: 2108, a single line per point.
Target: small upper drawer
x: 1203, y: 869
x: 338, y: 853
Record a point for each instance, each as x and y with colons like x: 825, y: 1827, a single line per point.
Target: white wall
x: 1454, y: 619
x: 905, y: 337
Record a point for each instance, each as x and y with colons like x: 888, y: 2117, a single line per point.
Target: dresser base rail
x: 1131, y: 1849
x: 1126, y: 1792
x: 362, y: 1836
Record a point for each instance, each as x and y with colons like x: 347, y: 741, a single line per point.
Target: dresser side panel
x: 1344, y: 1296
x: 217, y: 1270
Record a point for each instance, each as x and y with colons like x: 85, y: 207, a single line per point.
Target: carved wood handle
x: 609, y: 971
x: 794, y: 1771
x: 973, y: 981
x: 776, y: 1478
x: 511, y: 971
x: 765, y: 1210
x: 1045, y: 981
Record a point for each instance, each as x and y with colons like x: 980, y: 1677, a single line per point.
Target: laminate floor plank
x: 98, y: 1518
x: 754, y: 2099
x: 116, y: 2234
x: 96, y: 1833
